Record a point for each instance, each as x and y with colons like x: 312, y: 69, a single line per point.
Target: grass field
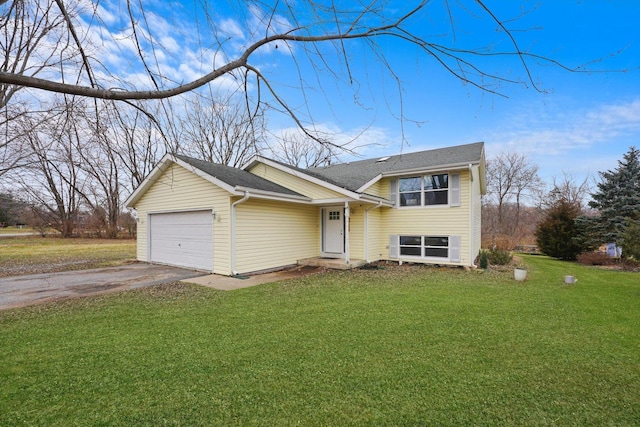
x: 35, y: 254
x: 407, y: 345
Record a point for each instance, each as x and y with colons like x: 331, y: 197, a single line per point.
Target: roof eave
x: 302, y: 175
x: 482, y: 171
x: 253, y: 160
x: 376, y: 199
x: 445, y: 167
x: 162, y: 167
x: 158, y: 170
x: 369, y: 183
x: 271, y: 195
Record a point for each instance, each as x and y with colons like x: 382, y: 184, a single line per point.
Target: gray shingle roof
x: 237, y: 177
x: 354, y: 175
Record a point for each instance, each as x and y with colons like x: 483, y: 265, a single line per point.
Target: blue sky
x: 577, y: 122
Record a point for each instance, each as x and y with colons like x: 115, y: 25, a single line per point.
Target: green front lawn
x: 401, y: 346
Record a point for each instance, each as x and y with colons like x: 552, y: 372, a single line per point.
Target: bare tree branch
x: 357, y: 30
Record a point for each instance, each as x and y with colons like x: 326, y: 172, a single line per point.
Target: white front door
x: 333, y: 231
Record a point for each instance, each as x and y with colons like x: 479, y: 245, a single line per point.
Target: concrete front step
x: 337, y: 264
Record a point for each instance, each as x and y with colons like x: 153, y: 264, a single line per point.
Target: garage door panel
x: 183, y: 239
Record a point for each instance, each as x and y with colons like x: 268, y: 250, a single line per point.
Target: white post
x: 346, y: 232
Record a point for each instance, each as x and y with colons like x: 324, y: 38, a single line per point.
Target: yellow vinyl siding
x: 273, y: 234
x: 379, y: 189
x: 432, y: 221
x: 181, y: 190
x: 356, y: 232
x: 297, y: 184
x: 376, y: 241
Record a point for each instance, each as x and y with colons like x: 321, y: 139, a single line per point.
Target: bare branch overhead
x: 340, y: 27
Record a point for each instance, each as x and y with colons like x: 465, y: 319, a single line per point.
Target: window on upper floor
x: 425, y: 190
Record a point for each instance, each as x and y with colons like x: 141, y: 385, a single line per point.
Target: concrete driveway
x: 18, y: 291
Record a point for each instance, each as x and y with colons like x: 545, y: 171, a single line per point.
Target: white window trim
x: 450, y: 191
x: 423, y: 247
x: 454, y: 253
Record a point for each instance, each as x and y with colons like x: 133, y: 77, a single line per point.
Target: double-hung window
x: 425, y: 190
x: 411, y: 191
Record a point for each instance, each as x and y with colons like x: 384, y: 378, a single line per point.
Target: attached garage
x: 182, y: 239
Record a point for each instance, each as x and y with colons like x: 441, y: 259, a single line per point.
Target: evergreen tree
x: 8, y: 209
x: 618, y: 198
x: 558, y: 235
x: 631, y: 241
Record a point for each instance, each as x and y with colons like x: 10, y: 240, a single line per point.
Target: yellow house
x: 417, y: 207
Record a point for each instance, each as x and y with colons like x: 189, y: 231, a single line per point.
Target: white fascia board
x: 158, y: 170
x: 365, y: 198
x: 263, y: 194
x: 483, y: 173
x: 369, y: 184
x: 375, y: 199
x: 253, y: 160
x: 309, y: 178
x: 334, y: 201
x: 449, y: 167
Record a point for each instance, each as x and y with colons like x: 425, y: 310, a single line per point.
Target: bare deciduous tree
x: 136, y: 142
x: 32, y: 41
x: 52, y: 178
x: 297, y: 149
x: 511, y: 178
x: 221, y: 131
x: 569, y: 189
x: 99, y: 161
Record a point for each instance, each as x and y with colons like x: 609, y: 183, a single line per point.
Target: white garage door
x: 183, y: 239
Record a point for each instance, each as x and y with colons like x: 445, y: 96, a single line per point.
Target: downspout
x: 366, y: 230
x: 346, y: 233
x: 233, y: 231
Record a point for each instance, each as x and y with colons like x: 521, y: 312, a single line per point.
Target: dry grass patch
x: 33, y: 255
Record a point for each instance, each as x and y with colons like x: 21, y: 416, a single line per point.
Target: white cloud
x: 231, y: 28
x: 581, y: 142
x: 566, y: 131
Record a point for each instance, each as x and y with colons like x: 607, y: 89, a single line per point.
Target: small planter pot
x: 520, y: 274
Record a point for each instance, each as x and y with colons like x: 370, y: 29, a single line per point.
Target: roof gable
x: 235, y: 177
x: 235, y: 181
